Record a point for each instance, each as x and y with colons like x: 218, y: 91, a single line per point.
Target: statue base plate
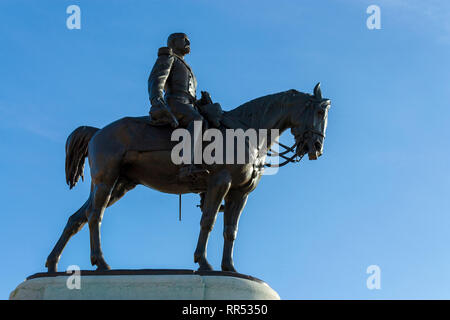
x: 146, y: 284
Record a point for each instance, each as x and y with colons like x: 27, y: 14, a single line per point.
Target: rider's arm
x: 158, y: 76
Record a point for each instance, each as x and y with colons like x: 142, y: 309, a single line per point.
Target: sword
x: 173, y: 120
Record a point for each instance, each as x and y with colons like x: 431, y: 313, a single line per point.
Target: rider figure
x: 172, y: 85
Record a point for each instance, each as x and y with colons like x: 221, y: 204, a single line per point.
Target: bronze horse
x: 130, y: 151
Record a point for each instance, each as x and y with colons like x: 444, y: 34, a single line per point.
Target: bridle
x: 294, y: 157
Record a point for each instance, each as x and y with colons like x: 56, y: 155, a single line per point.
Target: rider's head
x: 179, y: 43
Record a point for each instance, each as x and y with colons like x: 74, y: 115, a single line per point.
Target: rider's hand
x: 160, y: 112
x: 157, y: 103
x: 156, y: 111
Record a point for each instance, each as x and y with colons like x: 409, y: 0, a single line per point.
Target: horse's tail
x: 76, y: 150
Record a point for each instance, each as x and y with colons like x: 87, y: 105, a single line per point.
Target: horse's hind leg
x: 120, y: 189
x: 78, y: 220
x: 101, y: 194
x: 74, y: 224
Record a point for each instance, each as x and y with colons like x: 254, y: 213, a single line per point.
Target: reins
x: 294, y: 158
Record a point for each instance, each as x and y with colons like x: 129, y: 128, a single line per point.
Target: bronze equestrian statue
x: 137, y: 150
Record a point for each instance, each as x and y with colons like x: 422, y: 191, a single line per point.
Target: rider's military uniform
x: 172, y: 80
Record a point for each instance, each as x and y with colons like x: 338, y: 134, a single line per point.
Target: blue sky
x: 379, y: 194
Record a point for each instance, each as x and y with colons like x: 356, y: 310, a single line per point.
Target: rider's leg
x: 195, y: 131
x: 190, y: 119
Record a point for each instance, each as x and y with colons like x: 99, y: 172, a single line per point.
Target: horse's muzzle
x: 312, y: 147
x: 315, y: 150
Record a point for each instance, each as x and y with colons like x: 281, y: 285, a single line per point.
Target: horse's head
x: 309, y: 123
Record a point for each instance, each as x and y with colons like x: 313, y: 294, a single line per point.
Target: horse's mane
x: 253, y: 109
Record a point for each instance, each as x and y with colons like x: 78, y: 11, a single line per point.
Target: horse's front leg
x: 234, y: 204
x: 218, y: 186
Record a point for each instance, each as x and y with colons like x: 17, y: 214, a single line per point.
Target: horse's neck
x: 271, y: 118
x: 272, y: 115
x: 275, y: 123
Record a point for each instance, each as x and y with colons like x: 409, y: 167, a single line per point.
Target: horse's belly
x: 155, y: 170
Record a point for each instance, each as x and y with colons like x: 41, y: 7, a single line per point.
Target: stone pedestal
x: 144, y: 284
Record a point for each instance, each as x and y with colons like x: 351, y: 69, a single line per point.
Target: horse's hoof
x: 51, y: 266
x: 205, y: 266
x: 104, y: 267
x: 100, y: 263
x: 228, y: 268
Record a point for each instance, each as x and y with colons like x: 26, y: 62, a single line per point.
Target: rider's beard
x: 183, y: 51
x: 186, y: 50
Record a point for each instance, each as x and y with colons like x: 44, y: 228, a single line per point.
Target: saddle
x: 155, y: 133
x: 212, y: 112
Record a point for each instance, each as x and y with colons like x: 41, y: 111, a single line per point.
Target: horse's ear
x: 317, y: 91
